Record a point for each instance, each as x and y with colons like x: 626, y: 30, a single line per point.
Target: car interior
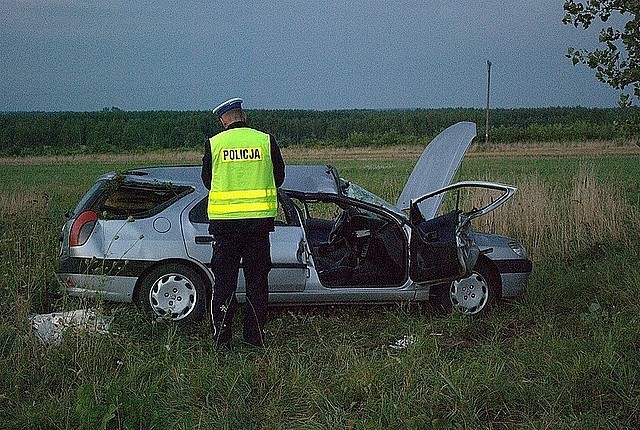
x: 352, y: 246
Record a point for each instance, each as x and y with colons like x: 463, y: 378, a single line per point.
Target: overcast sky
x: 74, y: 55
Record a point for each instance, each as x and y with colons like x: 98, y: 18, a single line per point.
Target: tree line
x: 115, y: 130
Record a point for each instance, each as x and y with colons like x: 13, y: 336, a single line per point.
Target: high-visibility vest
x: 242, y: 183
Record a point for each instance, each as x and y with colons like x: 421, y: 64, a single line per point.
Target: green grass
x: 388, y: 177
x: 566, y: 355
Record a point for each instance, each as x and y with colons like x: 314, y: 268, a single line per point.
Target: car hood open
x: 437, y: 164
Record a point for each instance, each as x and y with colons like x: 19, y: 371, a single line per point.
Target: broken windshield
x: 356, y: 192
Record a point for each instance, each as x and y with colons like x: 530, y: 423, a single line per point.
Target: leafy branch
x: 617, y: 63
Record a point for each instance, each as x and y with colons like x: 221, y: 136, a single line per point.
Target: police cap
x: 226, y: 106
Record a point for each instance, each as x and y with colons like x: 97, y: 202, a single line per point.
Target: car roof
x: 179, y: 175
x: 306, y: 179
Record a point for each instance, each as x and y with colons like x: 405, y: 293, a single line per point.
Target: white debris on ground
x: 50, y: 327
x: 407, y: 340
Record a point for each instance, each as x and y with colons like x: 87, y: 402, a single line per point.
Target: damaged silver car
x: 142, y: 236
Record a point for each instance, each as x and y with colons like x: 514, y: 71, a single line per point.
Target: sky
x: 85, y: 55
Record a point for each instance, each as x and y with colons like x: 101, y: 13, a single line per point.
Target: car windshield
x: 356, y: 192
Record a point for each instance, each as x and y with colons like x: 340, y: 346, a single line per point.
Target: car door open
x: 442, y: 248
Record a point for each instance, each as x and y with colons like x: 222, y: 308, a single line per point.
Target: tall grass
x: 561, y: 219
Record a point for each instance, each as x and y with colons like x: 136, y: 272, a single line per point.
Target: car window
x: 468, y: 199
x: 90, y: 196
x: 286, y: 212
x: 121, y: 199
x: 198, y: 213
x: 322, y: 210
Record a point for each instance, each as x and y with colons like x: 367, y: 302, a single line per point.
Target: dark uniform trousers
x: 253, y: 247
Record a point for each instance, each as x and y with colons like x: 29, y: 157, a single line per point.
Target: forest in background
x: 114, y: 130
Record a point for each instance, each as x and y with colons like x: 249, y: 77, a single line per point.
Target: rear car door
x: 289, y: 261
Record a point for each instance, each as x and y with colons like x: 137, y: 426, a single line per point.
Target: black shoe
x: 253, y: 337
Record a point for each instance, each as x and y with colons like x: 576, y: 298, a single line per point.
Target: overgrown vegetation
x: 114, y: 130
x: 564, y: 356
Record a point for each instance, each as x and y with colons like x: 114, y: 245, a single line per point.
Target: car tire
x: 473, y: 295
x: 174, y: 292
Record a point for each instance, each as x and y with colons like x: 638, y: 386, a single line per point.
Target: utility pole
x: 486, y: 122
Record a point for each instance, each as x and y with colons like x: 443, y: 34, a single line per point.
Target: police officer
x: 242, y: 168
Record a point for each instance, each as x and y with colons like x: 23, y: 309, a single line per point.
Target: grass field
x: 566, y: 355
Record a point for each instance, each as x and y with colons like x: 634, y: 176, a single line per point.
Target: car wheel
x: 174, y: 292
x: 473, y: 295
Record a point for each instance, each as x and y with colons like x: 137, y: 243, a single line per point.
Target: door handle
x: 202, y: 240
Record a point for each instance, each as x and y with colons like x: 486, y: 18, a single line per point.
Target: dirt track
x: 297, y: 155
x: 413, y: 152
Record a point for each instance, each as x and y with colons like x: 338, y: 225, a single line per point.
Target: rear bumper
x: 112, y: 288
x: 113, y: 280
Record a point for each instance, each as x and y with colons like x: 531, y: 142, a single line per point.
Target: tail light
x: 82, y: 228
